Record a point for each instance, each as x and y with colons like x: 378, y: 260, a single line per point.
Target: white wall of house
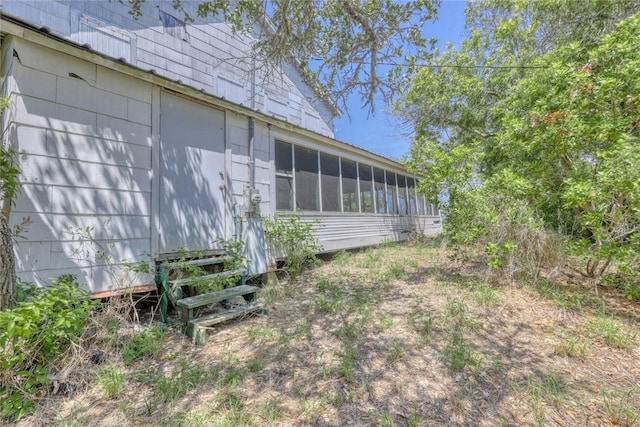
x: 120, y: 165
x: 203, y: 54
x: 347, y: 230
x: 339, y: 231
x: 85, y: 155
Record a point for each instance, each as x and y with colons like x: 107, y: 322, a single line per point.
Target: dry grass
x: 388, y: 336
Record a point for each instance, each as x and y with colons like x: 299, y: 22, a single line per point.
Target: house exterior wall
x: 347, y: 230
x: 204, y: 54
x: 192, y: 209
x: 85, y: 155
x: 91, y: 138
x: 339, y: 231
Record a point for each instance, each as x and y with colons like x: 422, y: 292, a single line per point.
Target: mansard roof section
x: 203, y: 54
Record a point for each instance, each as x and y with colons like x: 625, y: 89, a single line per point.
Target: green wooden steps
x: 197, y: 262
x: 173, y: 292
x: 195, y: 328
x: 187, y: 305
x: 199, y: 279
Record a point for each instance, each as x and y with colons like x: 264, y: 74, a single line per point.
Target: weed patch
x: 182, y: 379
x: 371, y: 259
x: 422, y: 324
x: 619, y: 407
x: 397, y: 271
x: 35, y: 334
x: 612, y: 332
x: 347, y: 362
x: 343, y: 258
x: 571, y: 345
x: 457, y: 351
x: 330, y: 297
x: 395, y: 352
x: 112, y: 380
x: 145, y: 343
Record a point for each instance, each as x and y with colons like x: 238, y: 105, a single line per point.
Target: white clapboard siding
x: 85, y: 157
x: 210, y: 57
x: 121, y: 165
x: 346, y: 231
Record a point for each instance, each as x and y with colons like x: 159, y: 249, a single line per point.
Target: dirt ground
x: 395, y: 335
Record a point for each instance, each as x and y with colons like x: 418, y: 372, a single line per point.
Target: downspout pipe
x: 252, y: 159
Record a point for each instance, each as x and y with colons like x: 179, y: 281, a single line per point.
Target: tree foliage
x: 346, y: 46
x: 578, y: 140
x: 535, y: 121
x: 34, y: 335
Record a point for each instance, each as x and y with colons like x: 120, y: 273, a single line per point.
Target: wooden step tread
x: 196, y: 327
x: 210, y: 298
x: 200, y: 279
x: 223, y: 316
x: 197, y: 262
x: 175, y: 256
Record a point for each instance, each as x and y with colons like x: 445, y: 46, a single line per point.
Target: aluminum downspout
x: 240, y: 210
x: 252, y: 159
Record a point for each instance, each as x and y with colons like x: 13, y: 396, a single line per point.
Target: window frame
x: 364, y: 187
x: 324, y: 176
x: 289, y: 175
x: 356, y: 193
x: 384, y: 186
x: 302, y: 201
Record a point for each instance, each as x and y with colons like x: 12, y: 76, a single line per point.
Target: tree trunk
x: 7, y: 266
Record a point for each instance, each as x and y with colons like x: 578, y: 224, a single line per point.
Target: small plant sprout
x: 619, y: 407
x: 112, y: 381
x: 395, y: 352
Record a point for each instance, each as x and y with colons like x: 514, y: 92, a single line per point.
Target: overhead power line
x: 492, y: 67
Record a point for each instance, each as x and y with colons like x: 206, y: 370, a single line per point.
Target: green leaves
x: 9, y: 172
x: 34, y: 334
x: 528, y: 127
x: 341, y: 46
x: 292, y: 238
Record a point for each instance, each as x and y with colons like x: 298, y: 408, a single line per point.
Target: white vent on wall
x: 103, y: 37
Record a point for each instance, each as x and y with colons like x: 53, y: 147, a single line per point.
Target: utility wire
x: 492, y: 67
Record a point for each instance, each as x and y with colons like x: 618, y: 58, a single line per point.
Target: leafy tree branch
x: 339, y: 45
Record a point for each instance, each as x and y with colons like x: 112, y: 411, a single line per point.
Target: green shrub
x: 33, y: 336
x: 289, y: 236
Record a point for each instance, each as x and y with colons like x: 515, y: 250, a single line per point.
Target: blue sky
x: 382, y: 133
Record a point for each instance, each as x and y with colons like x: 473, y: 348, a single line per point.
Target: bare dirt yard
x: 394, y: 335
